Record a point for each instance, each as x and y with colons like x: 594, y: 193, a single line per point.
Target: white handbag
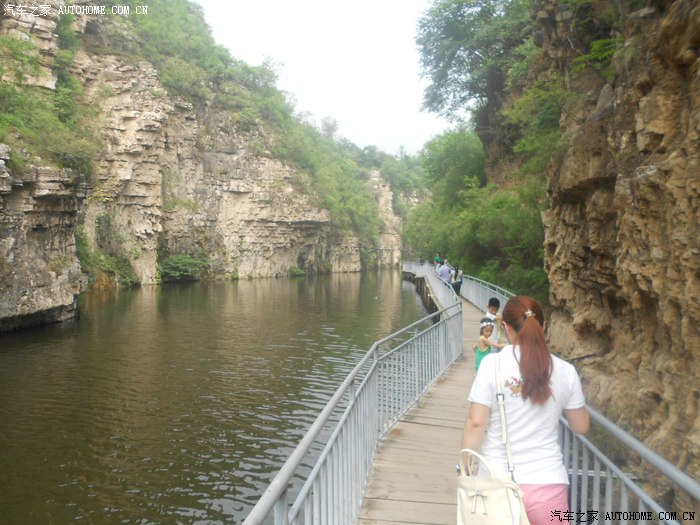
x: 493, y: 500
x: 488, y: 500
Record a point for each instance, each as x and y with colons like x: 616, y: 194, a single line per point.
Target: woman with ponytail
x: 538, y: 388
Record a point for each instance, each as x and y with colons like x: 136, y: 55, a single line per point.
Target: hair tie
x: 486, y: 323
x: 529, y: 313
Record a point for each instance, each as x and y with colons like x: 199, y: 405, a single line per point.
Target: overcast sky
x: 352, y: 60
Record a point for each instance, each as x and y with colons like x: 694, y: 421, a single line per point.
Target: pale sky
x: 352, y: 60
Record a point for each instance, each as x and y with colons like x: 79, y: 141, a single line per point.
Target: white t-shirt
x: 532, y: 429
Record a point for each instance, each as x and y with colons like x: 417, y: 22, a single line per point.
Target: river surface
x: 177, y: 404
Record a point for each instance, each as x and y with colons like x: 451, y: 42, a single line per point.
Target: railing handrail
x: 668, y: 469
x: 444, y: 293
x: 489, y: 286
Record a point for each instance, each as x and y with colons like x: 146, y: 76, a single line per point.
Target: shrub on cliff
x: 98, y: 261
x: 179, y: 268
x: 58, y: 125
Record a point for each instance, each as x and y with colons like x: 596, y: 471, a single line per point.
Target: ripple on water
x: 177, y: 404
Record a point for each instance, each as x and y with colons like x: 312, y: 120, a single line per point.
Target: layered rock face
x: 621, y: 248
x: 171, y: 180
x: 185, y: 181
x: 40, y: 275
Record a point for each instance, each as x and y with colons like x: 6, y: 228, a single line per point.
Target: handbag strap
x: 500, y: 398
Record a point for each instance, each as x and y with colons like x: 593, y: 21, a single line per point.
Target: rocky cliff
x: 171, y: 179
x: 40, y: 276
x: 621, y: 248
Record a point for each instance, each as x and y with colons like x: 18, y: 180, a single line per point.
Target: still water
x: 178, y: 404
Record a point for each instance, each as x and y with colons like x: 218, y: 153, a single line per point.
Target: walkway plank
x: 413, y: 477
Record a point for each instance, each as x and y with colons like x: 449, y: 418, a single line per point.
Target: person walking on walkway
x: 444, y: 271
x: 492, y: 313
x: 538, y: 388
x: 456, y: 276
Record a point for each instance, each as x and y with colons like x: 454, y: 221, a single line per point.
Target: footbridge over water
x: 384, y: 448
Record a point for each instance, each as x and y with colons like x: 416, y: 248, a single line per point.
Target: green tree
x: 480, y: 57
x: 453, y: 165
x: 494, y: 233
x: 453, y: 162
x: 464, y: 47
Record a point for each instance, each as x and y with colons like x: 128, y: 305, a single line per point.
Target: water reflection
x: 177, y: 404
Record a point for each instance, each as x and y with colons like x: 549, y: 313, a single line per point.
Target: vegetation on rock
x: 57, y: 126
x: 182, y: 267
x: 95, y: 261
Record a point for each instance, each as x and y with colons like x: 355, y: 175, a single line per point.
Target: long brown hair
x: 524, y: 315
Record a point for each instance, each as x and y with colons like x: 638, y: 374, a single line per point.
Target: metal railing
x: 389, y: 379
x: 479, y: 292
x: 600, y: 490
x: 443, y: 293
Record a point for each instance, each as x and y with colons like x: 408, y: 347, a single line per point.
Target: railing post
x: 418, y: 359
x: 281, y: 516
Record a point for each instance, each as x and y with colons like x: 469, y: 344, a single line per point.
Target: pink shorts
x: 542, y: 500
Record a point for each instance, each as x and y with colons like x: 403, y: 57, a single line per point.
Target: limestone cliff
x: 40, y: 276
x: 171, y: 179
x: 621, y: 247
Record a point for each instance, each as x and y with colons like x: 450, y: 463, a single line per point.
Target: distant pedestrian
x: 493, y: 306
x: 456, y: 279
x: 444, y: 271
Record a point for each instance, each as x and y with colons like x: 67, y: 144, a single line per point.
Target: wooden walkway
x: 413, y: 477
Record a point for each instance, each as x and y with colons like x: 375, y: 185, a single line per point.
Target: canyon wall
x: 621, y: 247
x: 171, y: 179
x: 40, y: 276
